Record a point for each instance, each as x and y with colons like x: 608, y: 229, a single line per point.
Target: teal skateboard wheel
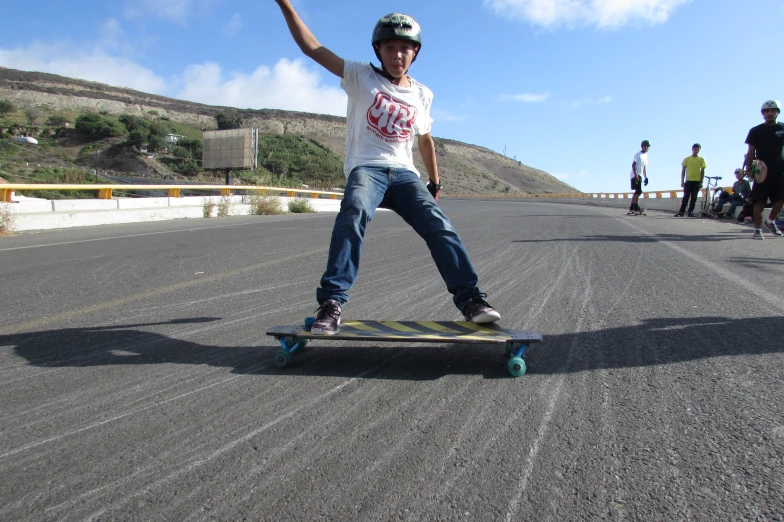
x: 516, y: 366
x: 282, y: 358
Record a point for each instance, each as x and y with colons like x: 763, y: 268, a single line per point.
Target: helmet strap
x: 383, y: 72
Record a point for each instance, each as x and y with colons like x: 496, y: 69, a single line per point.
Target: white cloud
x: 233, y: 26
x: 601, y: 13
x: 174, y: 10
x: 87, y: 64
x: 563, y: 176
x: 288, y: 86
x: 527, y: 97
x: 591, y: 101
x: 441, y: 115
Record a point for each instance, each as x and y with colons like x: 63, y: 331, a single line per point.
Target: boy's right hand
x: 434, y: 189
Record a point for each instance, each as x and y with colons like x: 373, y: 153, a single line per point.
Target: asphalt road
x: 136, y: 382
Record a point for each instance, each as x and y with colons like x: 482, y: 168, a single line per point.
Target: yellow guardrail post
x: 105, y: 193
x: 5, y: 195
x: 225, y: 192
x: 174, y: 193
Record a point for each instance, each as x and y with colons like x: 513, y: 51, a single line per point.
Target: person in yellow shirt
x: 692, y: 173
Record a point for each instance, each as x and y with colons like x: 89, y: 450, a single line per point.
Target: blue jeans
x: 734, y: 200
x: 402, y: 191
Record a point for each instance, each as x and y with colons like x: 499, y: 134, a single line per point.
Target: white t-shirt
x: 382, y: 118
x: 641, y: 161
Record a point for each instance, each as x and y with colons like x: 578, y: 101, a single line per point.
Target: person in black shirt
x: 766, y: 143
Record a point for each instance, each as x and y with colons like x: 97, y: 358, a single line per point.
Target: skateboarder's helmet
x: 771, y: 104
x: 645, y: 143
x: 396, y: 26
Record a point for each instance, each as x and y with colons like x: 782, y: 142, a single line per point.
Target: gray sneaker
x: 773, y: 228
x: 327, y: 318
x: 477, y: 310
x: 757, y: 234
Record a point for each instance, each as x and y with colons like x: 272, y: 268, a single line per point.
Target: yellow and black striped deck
x: 420, y: 331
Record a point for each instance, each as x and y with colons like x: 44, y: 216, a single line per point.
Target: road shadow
x: 652, y: 342
x: 756, y: 263
x: 648, y: 238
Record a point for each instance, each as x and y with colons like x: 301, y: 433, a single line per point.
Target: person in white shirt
x: 387, y: 109
x: 639, y: 171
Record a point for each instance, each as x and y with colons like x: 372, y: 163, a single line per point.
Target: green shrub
x: 180, y: 152
x: 301, y: 159
x: 300, y: 206
x: 228, y: 121
x: 157, y: 128
x: 155, y: 143
x: 193, y: 145
x: 133, y: 123
x: 6, y: 107
x: 265, y: 205
x: 99, y: 126
x: 57, y: 120
x: 188, y: 167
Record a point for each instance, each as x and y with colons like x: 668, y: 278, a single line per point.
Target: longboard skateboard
x: 759, y: 171
x: 293, y: 338
x: 636, y: 213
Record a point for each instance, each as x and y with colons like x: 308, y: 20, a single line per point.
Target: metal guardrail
x: 105, y: 190
x: 671, y: 194
x: 580, y: 195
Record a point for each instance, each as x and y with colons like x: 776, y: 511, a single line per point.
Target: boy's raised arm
x: 307, y: 41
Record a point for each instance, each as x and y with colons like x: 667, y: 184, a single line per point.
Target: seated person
x: 740, y: 194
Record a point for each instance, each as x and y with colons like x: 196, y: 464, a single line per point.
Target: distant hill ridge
x: 464, y: 168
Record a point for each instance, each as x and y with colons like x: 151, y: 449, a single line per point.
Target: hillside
x: 464, y: 168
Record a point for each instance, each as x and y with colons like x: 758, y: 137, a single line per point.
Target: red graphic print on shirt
x: 391, y: 118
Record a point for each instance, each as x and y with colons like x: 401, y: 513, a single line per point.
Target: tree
x: 33, y: 113
x: 57, y: 120
x: 132, y: 123
x: 228, y: 121
x: 137, y: 138
x: 155, y: 143
x: 159, y: 129
x: 6, y: 107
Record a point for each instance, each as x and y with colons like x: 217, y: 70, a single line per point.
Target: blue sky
x: 567, y: 86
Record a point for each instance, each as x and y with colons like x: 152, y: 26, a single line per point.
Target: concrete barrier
x: 41, y: 214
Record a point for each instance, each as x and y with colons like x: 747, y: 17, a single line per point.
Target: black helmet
x: 697, y: 145
x: 396, y: 26
x: 645, y: 143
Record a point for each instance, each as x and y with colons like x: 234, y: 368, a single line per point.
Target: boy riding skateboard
x: 387, y: 108
x: 639, y: 171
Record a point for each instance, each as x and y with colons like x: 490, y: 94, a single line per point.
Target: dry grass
x: 224, y: 206
x: 300, y: 206
x: 208, y: 207
x: 265, y: 205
